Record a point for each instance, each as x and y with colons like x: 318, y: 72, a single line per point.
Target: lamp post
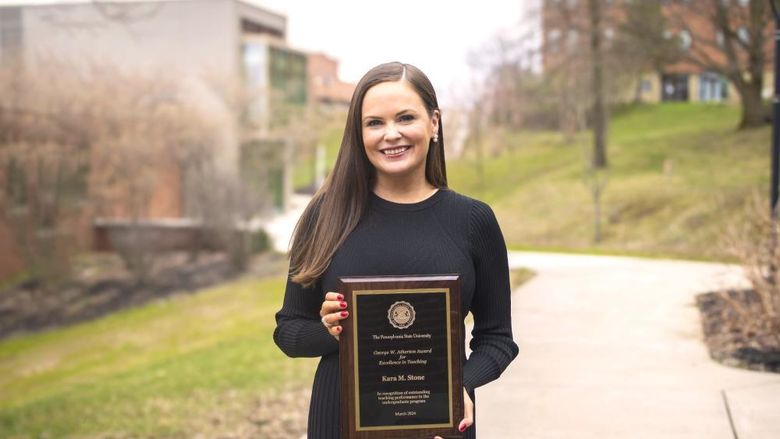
x: 775, y: 146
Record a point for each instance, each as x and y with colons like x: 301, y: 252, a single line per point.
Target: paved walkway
x: 611, y: 347
x: 280, y: 227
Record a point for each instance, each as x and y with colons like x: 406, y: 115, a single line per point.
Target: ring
x: 327, y: 325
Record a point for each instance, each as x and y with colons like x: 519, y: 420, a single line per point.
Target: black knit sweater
x: 445, y: 233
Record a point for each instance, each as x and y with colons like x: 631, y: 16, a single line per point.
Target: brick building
x: 325, y: 87
x: 565, y: 34
x: 196, y: 41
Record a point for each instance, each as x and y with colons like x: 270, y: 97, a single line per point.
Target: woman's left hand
x: 468, y: 414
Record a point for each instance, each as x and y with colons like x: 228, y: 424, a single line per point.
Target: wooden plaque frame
x: 385, y: 289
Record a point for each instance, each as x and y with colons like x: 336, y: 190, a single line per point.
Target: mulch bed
x: 104, y: 286
x: 732, y: 335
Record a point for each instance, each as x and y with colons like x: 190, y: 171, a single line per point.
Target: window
x: 685, y: 39
x: 571, y: 38
x: 712, y: 87
x: 674, y: 87
x: 553, y: 39
x: 720, y: 39
x: 743, y: 34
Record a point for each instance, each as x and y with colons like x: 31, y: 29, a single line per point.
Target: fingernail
x: 462, y: 428
x: 344, y: 313
x: 337, y: 329
x: 341, y: 297
x: 343, y: 304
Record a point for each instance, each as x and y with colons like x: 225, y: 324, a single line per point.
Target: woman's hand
x: 333, y: 310
x: 468, y: 414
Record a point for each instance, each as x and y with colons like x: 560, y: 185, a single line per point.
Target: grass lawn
x: 159, y: 370
x: 167, y: 368
x: 303, y: 171
x: 679, y: 174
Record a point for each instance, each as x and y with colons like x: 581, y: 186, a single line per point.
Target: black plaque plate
x: 401, y: 357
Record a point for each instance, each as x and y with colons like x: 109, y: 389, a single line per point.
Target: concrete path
x: 611, y: 347
x: 280, y: 227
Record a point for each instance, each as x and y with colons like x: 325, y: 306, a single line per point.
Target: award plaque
x: 400, y: 355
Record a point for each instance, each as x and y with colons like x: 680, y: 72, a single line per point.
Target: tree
x: 95, y: 141
x: 728, y: 37
x: 43, y: 162
x: 573, y: 60
x: 598, y: 163
x: 641, y: 42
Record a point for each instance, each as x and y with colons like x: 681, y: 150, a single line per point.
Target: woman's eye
x: 372, y: 123
x: 407, y: 118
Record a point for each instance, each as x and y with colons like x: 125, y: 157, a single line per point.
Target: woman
x: 386, y: 209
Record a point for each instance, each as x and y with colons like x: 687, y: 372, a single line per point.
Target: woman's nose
x: 392, y: 132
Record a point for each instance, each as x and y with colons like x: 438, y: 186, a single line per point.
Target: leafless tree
x: 43, y: 157
x: 580, y: 46
x: 598, y: 162
x: 644, y: 43
x: 116, y: 136
x: 731, y: 38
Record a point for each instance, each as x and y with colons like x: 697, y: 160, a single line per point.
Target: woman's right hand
x: 332, y: 312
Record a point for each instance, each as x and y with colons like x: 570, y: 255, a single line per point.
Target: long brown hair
x: 338, y: 206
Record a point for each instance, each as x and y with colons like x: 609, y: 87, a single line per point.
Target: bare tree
x: 118, y: 138
x: 572, y: 60
x: 643, y: 42
x: 42, y: 164
x: 731, y: 38
x: 598, y: 163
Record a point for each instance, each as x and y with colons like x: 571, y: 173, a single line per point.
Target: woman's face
x: 397, y: 130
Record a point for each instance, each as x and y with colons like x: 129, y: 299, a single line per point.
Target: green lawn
x: 303, y: 172
x: 158, y: 370
x: 678, y: 175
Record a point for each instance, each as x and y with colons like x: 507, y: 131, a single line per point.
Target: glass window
x: 712, y: 87
x: 743, y: 34
x: 719, y: 38
x: 685, y: 39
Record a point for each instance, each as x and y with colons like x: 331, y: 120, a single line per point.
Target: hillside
x: 178, y: 367
x: 679, y: 175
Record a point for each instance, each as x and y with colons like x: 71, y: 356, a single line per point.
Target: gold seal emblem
x: 401, y: 315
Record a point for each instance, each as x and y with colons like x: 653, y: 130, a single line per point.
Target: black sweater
x: 446, y: 233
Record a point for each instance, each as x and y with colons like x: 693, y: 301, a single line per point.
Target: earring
x: 435, y: 138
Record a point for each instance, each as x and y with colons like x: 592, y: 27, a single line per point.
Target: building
x: 325, y: 88
x: 200, y: 42
x: 565, y: 34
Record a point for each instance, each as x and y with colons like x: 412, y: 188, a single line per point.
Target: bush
x: 755, y: 241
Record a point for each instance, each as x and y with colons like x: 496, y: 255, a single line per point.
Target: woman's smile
x: 395, y: 151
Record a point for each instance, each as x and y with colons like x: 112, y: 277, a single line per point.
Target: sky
x: 434, y: 35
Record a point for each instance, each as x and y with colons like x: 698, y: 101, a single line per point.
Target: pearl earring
x: 435, y: 138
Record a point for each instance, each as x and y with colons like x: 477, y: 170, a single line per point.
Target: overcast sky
x: 434, y: 35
